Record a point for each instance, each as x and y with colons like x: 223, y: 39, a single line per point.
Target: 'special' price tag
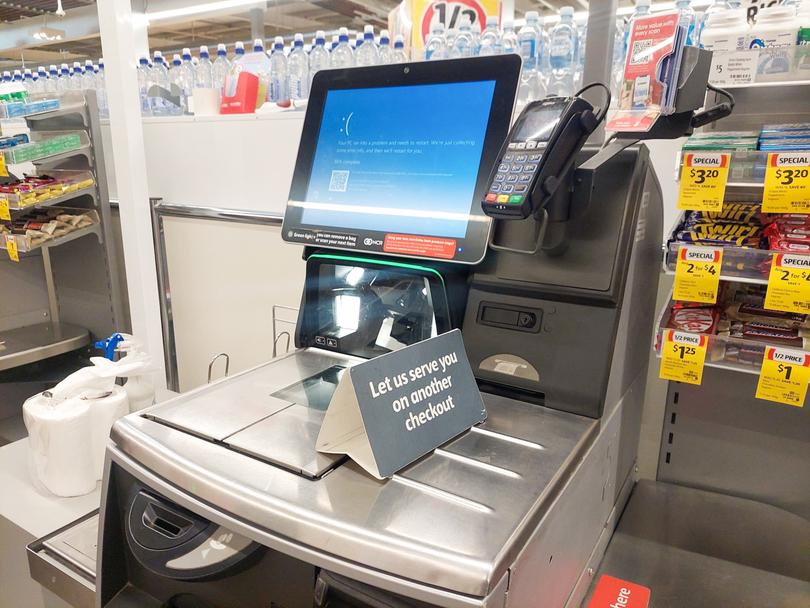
x: 697, y: 274
x: 11, y: 248
x: 682, y: 356
x: 5, y: 212
x: 787, y: 183
x: 789, y: 283
x: 3, y: 168
x: 784, y: 376
x: 703, y: 181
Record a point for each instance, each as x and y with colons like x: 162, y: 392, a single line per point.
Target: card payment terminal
x: 539, y: 150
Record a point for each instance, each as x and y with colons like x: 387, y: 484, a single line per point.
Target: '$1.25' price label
x: 787, y: 183
x: 784, y: 376
x: 789, y: 283
x: 703, y: 181
x: 682, y: 356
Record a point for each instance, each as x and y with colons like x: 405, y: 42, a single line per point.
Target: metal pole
x: 257, y: 23
x: 122, y: 33
x: 599, y: 54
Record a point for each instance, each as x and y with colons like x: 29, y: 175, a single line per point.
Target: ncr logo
x: 614, y: 592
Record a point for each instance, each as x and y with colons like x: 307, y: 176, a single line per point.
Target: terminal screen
x: 399, y: 159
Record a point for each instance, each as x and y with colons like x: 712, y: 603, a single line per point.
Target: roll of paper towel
x: 104, y: 411
x: 60, y: 451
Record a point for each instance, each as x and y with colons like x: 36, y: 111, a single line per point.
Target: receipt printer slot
x: 510, y: 317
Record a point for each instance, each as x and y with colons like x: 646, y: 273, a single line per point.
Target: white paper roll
x: 60, y: 450
x: 103, y: 413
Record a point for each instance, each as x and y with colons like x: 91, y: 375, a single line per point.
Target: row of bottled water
x: 288, y: 72
x: 78, y: 77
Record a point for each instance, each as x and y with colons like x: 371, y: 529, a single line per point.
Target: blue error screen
x: 399, y: 159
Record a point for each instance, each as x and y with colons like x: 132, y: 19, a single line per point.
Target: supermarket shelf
x: 33, y: 343
x: 89, y: 191
x: 72, y: 236
x: 728, y: 277
x: 740, y: 264
x: 80, y: 151
x: 63, y: 110
x: 774, y: 84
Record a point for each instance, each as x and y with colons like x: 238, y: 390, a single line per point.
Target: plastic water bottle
x: 319, y: 58
x: 203, y: 71
x: 89, y: 81
x: 490, y: 41
x: 53, y: 77
x: 279, y: 72
x: 77, y: 79
x: 544, y: 48
x: 144, y: 81
x: 258, y: 45
x: 220, y: 68
x: 238, y: 50
x: 642, y: 9
x: 63, y: 83
x: 343, y: 56
x: 385, y: 52
x: 529, y: 41
x: 562, y: 54
x: 464, y: 43
x: 714, y: 7
x: 334, y: 43
x: 185, y: 80
x: 28, y: 81
x: 298, y: 69
x: 160, y: 77
x: 400, y: 56
x: 42, y: 79
x: 17, y: 77
x: 367, y: 54
x: 509, y: 39
x: 579, y: 62
x: 435, y: 44
x: 6, y: 76
x: 101, y: 91
x: 687, y: 18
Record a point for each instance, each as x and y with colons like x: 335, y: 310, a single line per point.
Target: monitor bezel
x: 504, y: 70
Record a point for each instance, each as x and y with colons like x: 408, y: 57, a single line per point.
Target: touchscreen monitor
x: 394, y: 159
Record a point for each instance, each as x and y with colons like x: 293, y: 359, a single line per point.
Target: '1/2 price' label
x: 789, y: 283
x: 5, y: 212
x: 682, y: 356
x: 787, y: 183
x: 703, y: 181
x: 697, y: 274
x: 784, y: 376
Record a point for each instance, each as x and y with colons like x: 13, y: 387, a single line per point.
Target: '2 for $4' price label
x: 697, y: 274
x: 789, y: 283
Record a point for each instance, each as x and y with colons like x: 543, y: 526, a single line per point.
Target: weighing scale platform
x: 694, y: 548
x: 455, y: 519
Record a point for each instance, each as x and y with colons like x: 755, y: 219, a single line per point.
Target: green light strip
x: 347, y: 258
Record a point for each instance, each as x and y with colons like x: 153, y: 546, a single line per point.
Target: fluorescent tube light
x: 199, y: 8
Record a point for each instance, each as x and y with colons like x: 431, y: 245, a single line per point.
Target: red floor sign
x: 613, y: 592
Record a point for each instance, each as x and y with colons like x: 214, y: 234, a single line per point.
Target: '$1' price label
x: 789, y: 283
x: 784, y: 376
x: 697, y: 274
x: 682, y: 356
x: 703, y: 181
x: 11, y: 248
x: 787, y: 183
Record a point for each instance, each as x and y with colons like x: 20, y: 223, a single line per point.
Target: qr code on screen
x: 338, y: 181
x: 640, y: 52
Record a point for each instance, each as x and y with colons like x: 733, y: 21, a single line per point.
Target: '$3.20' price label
x: 784, y: 376
x: 703, y: 181
x: 682, y: 356
x: 787, y: 183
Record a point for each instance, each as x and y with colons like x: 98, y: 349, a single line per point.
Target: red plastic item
x: 244, y: 101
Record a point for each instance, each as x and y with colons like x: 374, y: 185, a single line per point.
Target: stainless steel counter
x: 456, y: 519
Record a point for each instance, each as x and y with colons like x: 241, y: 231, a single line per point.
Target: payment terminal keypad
x: 510, y: 186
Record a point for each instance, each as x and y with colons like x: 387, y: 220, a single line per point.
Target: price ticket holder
x: 562, y: 192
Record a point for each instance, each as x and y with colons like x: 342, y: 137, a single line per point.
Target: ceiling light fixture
x: 48, y: 34
x: 200, y: 8
x: 60, y: 12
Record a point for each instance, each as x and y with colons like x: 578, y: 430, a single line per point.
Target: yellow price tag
x: 703, y: 181
x: 682, y: 356
x: 787, y: 183
x: 5, y: 212
x: 3, y: 168
x: 11, y: 248
x: 697, y: 274
x: 789, y: 283
x: 784, y: 376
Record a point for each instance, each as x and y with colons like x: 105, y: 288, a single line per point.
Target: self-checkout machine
x: 219, y: 497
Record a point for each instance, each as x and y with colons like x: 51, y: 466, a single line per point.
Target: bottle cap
x: 492, y: 20
x: 240, y: 45
x: 568, y: 11
x: 535, y: 14
x: 221, y: 49
x: 299, y: 38
x: 76, y: 64
x: 384, y: 35
x: 320, y: 35
x: 176, y: 58
x: 157, y: 54
x: 508, y: 25
x: 368, y: 32
x: 27, y: 71
x: 203, y: 50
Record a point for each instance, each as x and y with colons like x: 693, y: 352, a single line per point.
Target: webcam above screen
x: 395, y: 159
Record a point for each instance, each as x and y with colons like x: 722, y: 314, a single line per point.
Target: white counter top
x: 36, y: 511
